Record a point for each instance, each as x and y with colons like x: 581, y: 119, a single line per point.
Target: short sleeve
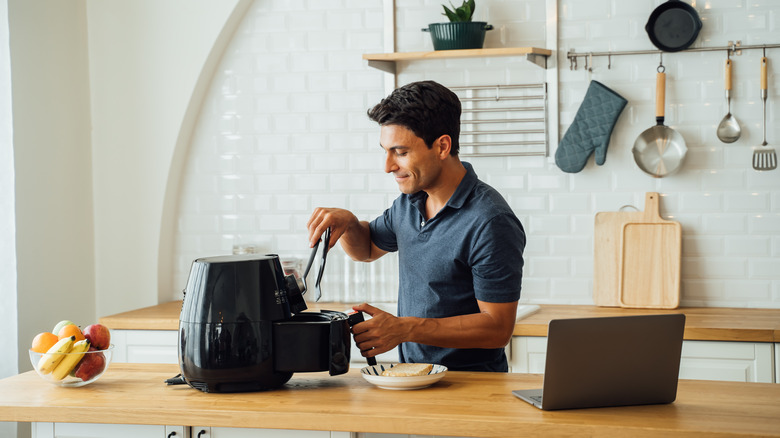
x: 497, y: 260
x: 382, y: 232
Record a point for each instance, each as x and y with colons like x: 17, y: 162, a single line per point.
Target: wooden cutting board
x: 649, y: 262
x: 617, y: 279
x: 606, y: 255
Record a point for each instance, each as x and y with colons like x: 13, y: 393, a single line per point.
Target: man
x: 460, y: 246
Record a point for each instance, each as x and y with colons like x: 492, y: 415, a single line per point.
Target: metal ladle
x: 728, y: 129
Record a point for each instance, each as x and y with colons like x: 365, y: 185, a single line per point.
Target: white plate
x: 373, y: 375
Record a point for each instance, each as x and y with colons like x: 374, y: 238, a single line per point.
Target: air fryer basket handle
x: 355, y: 318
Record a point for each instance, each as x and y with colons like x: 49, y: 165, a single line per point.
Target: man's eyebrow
x: 392, y: 148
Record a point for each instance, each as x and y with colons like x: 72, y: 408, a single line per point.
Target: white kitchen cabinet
x: 701, y: 360
x: 88, y: 430
x: 396, y: 435
x: 527, y: 354
x: 777, y: 363
x: 237, y: 432
x: 145, y: 346
x: 729, y: 361
x: 229, y: 432
x: 82, y: 430
x: 161, y: 346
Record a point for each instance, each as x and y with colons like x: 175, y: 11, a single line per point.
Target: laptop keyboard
x: 536, y: 398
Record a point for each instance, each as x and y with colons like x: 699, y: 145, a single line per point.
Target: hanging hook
x: 661, y: 67
x: 609, y: 61
x: 590, y: 62
x: 572, y: 59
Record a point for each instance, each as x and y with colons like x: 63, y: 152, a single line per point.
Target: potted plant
x: 460, y: 32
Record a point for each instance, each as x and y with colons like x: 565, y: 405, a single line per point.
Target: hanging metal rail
x: 733, y: 48
x: 515, y: 116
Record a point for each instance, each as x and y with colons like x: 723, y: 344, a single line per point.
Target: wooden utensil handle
x: 728, y: 74
x: 652, y: 211
x: 660, y: 97
x: 763, y: 73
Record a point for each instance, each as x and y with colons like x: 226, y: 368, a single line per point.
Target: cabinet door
x: 237, y: 432
x: 161, y: 346
x: 84, y: 430
x: 728, y: 361
x: 701, y: 360
x: 777, y: 363
x: 396, y: 435
x: 527, y: 354
x: 145, y: 346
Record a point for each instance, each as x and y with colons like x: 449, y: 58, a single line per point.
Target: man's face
x: 414, y: 166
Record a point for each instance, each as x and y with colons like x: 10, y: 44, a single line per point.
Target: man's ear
x: 445, y: 145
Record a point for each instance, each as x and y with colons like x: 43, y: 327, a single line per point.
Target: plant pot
x: 457, y: 36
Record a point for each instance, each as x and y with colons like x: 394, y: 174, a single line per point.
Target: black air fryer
x: 242, y: 327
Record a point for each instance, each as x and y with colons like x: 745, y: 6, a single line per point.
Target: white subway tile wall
x: 283, y: 130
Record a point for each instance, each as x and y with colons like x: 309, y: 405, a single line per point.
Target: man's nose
x: 390, y: 165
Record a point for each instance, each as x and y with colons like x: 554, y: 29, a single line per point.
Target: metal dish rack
x: 503, y: 120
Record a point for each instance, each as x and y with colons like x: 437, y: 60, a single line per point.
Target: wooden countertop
x: 702, y: 323
x: 461, y: 404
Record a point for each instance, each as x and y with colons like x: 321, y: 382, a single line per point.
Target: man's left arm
x: 492, y: 327
x: 497, y: 262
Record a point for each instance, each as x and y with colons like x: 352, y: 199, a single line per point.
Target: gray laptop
x: 613, y: 361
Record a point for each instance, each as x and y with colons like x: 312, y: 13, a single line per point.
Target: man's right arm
x: 354, y: 234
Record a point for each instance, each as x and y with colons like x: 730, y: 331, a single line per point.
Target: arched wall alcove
x: 277, y: 127
x: 170, y: 204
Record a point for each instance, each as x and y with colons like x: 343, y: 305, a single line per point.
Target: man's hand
x: 338, y: 219
x: 344, y: 226
x: 377, y: 335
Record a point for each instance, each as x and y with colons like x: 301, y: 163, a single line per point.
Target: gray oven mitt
x: 591, y: 128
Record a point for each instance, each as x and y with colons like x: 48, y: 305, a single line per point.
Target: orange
x: 43, y: 341
x: 71, y: 330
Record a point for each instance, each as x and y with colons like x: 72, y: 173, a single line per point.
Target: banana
x: 71, y: 359
x: 54, y: 355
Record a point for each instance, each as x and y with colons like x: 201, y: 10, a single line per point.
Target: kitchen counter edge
x: 702, y: 323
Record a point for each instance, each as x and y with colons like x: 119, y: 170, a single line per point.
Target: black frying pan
x: 673, y: 26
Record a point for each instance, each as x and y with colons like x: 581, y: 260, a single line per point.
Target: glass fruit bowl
x: 72, y: 369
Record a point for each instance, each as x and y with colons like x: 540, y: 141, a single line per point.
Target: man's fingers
x: 366, y: 308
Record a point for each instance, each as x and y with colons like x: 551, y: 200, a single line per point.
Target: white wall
x: 52, y: 166
x: 730, y: 214
x: 8, y: 315
x: 96, y: 120
x: 146, y: 63
x: 284, y: 130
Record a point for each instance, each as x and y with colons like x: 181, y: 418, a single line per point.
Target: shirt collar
x: 464, y: 188
x: 461, y: 193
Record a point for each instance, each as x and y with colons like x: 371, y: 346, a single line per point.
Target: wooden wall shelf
x: 387, y: 61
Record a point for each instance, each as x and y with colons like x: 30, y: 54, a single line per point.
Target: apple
x: 60, y: 325
x: 91, y: 365
x: 99, y: 336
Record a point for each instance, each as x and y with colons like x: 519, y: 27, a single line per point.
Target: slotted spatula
x: 764, y: 158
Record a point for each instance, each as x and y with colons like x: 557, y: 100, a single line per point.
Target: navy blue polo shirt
x: 471, y: 250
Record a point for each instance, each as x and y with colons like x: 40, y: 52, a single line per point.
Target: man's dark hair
x: 426, y: 108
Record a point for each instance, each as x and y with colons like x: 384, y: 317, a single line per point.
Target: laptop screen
x: 613, y: 361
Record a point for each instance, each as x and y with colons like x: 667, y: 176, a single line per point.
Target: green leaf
x: 463, y: 13
x: 452, y: 16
